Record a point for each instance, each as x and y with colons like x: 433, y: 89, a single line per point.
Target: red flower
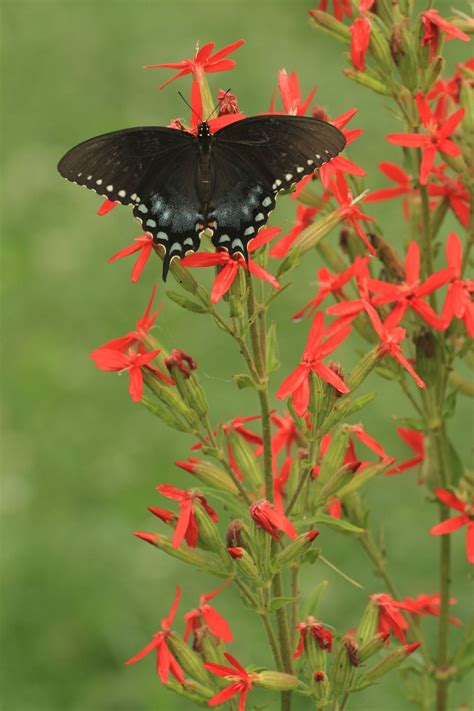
x: 230, y: 264
x: 364, y: 437
x: 165, y: 661
x: 398, y: 176
x: 241, y: 681
x: 238, y: 424
x: 272, y: 520
x: 144, y: 245
x: 390, y: 339
x: 181, y: 360
x: 349, y: 209
x: 466, y: 518
x: 205, y: 614
x: 290, y: 93
x: 436, y: 138
x: 334, y: 507
x: 227, y: 103
x: 390, y: 617
x: 458, y: 302
x: 328, y: 284
x: 204, y: 61
x: 297, y: 382
x: 110, y: 359
x: 314, y: 628
x: 221, y: 120
x: 416, y: 441
x: 428, y: 605
x: 340, y: 8
x: 409, y: 293
x: 347, y: 311
x: 454, y: 191
x: 187, y: 526
x: 360, y: 31
x: 279, y: 484
x: 107, y: 206
x: 340, y: 164
x: 143, y: 326
x: 434, y: 24
x: 304, y: 217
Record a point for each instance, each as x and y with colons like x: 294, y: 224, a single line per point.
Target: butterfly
x: 183, y: 186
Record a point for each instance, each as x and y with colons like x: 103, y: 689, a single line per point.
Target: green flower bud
x: 295, y: 550
x: 181, y: 300
x: 326, y: 22
x: 276, y: 681
x: 189, y: 660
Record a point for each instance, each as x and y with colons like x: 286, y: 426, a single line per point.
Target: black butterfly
x: 222, y: 184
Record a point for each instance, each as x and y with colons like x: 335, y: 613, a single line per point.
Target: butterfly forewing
x: 115, y: 164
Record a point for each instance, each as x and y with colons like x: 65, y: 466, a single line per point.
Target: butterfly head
x: 203, y: 130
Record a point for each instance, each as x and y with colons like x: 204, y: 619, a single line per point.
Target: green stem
x: 294, y: 605
x: 263, y: 614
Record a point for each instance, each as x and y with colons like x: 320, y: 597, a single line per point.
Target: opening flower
x: 428, y: 605
x: 436, y: 138
x: 297, y: 383
x: 433, y: 25
x: 290, y: 92
x: 187, y: 526
x: 204, y: 62
x: 390, y: 618
x: 231, y: 263
x: 207, y: 615
x: 328, y: 284
x: 271, y: 519
x: 465, y: 518
x: 241, y: 681
x: 349, y: 209
x: 132, y: 361
x: 166, y: 663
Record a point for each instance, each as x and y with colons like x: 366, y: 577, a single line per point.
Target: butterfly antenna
x: 218, y: 106
x: 199, y: 118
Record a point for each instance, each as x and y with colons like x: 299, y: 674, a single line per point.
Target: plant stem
x: 294, y: 605
x: 263, y: 614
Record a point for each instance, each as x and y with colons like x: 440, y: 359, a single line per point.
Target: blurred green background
x: 80, y: 460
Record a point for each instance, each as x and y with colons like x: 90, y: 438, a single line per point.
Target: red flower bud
x: 182, y: 361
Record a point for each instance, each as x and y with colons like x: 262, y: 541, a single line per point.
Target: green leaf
x: 279, y: 602
x: 273, y: 360
x: 337, y: 523
x: 315, y: 598
x: 242, y: 380
x: 450, y: 404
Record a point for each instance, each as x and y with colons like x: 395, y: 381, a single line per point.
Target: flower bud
x: 404, y: 52
x: 191, y: 690
x: 210, y: 474
x: 183, y: 276
x: 295, y: 550
x: 367, y: 80
x: 466, y: 97
x: 321, y: 687
x: 364, y: 476
x: 276, y: 681
x: 379, y: 46
x: 337, y: 482
x: 245, y: 563
x: 209, y: 533
x: 315, y: 232
x: 245, y: 459
x: 326, y: 22
x: 373, y: 645
x: 170, y: 398
x: 432, y: 73
x: 333, y: 457
x: 168, y: 517
x: 186, y: 303
x: 356, y: 510
x: 188, y: 659
x: 187, y: 555
x: 391, y: 661
x: 166, y: 415
x: 346, y: 661
x: 389, y: 257
x: 368, y: 625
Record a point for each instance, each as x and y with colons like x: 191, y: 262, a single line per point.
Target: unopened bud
x: 404, y: 52
x: 320, y: 686
x: 391, y: 661
x: 326, y: 22
x: 181, y: 300
x: 210, y: 474
x: 183, y: 276
x: 209, y: 533
x: 367, y: 80
x: 295, y: 550
x: 432, y: 73
x: 245, y: 459
x: 379, y: 46
x: 345, y: 663
x: 169, y: 397
x: 187, y: 555
x: 368, y: 625
x: 466, y: 98
x: 164, y: 515
x: 245, y: 563
x: 166, y: 415
x: 334, y: 454
x: 373, y: 645
x: 314, y: 233
x: 276, y: 681
x: 234, y: 536
x: 187, y: 658
x: 340, y: 479
x: 389, y: 257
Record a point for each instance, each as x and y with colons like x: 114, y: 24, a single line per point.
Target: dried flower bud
x: 180, y: 360
x: 320, y: 687
x: 234, y: 534
x: 227, y: 103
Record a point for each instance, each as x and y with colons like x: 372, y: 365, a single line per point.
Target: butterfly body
x: 222, y: 184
